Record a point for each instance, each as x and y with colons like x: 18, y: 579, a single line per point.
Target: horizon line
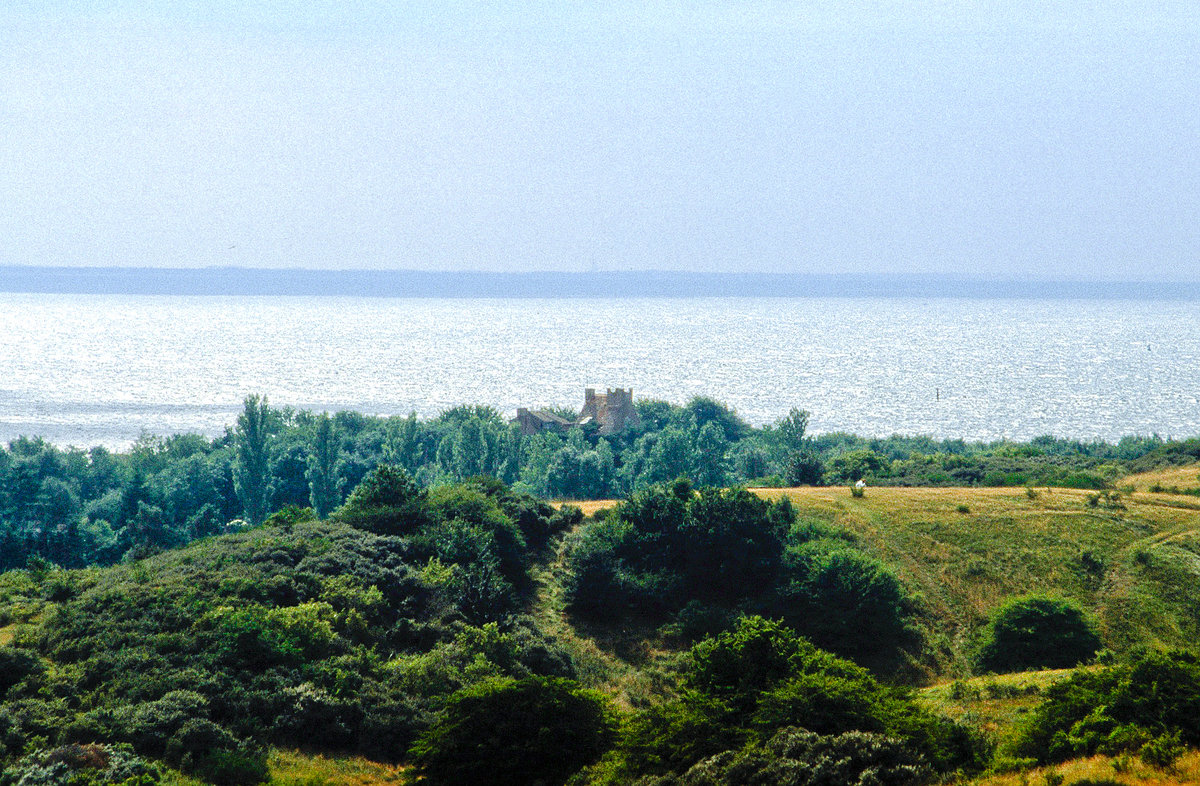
x: 610, y: 283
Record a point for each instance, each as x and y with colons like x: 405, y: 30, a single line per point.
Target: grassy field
x: 995, y: 703
x: 1101, y: 770
x: 1187, y: 477
x: 293, y: 768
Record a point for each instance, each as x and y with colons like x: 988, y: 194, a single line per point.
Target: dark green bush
x: 1116, y: 709
x: 669, y: 545
x: 745, y: 685
x: 671, y: 737
x: 232, y: 768
x: 1036, y: 632
x: 805, y: 468
x: 1163, y: 751
x: 536, y: 729
x: 81, y: 765
x: 151, y: 725
x: 796, y: 757
x: 195, y: 738
x: 387, y: 502
x: 845, y: 602
x: 16, y: 665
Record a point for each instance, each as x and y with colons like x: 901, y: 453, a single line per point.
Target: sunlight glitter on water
x: 86, y: 369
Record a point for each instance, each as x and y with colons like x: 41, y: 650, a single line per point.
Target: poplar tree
x: 252, y: 466
x: 324, y: 490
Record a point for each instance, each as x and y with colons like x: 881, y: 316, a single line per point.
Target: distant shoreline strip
x: 601, y: 284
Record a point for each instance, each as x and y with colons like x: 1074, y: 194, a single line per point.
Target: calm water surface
x: 88, y: 369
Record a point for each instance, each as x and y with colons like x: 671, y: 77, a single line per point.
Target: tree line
x: 76, y: 507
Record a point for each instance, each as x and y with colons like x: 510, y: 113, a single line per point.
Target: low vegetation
x: 412, y: 628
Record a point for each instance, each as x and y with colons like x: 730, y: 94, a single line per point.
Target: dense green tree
x: 846, y: 602
x: 711, y: 463
x: 323, y: 483
x: 702, y: 410
x: 855, y: 465
x: 252, y: 468
x: 579, y: 471
x: 405, y: 446
x: 668, y: 544
x: 793, y: 430
x: 804, y: 468
x: 672, y: 455
x: 289, y: 469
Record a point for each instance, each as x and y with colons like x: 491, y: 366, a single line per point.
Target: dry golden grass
x: 1127, y: 770
x: 293, y: 768
x: 993, y: 704
x: 588, y: 506
x: 1186, y: 477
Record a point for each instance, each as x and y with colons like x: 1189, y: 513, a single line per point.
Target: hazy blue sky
x: 998, y: 139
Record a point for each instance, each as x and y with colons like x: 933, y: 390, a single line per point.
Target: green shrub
x: 387, y: 502
x: 150, y: 725
x: 508, y: 731
x: 856, y: 465
x: 289, y: 516
x: 744, y: 685
x: 1162, y: 751
x: 756, y: 655
x: 1119, y: 708
x: 669, y: 544
x: 15, y: 666
x: 845, y: 602
x: 232, y: 768
x: 1036, y: 632
x: 795, y: 757
x: 81, y: 765
x: 196, y: 738
x: 671, y: 737
x: 805, y: 468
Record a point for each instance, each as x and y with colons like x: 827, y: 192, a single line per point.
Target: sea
x: 88, y: 370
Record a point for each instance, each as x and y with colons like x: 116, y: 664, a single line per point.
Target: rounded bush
x: 387, y: 502
x: 533, y: 730
x: 1036, y: 633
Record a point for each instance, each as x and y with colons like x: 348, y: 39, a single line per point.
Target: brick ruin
x: 612, y: 411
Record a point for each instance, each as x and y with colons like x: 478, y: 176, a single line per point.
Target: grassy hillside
x: 1182, y: 478
x: 1131, y: 560
x: 361, y: 628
